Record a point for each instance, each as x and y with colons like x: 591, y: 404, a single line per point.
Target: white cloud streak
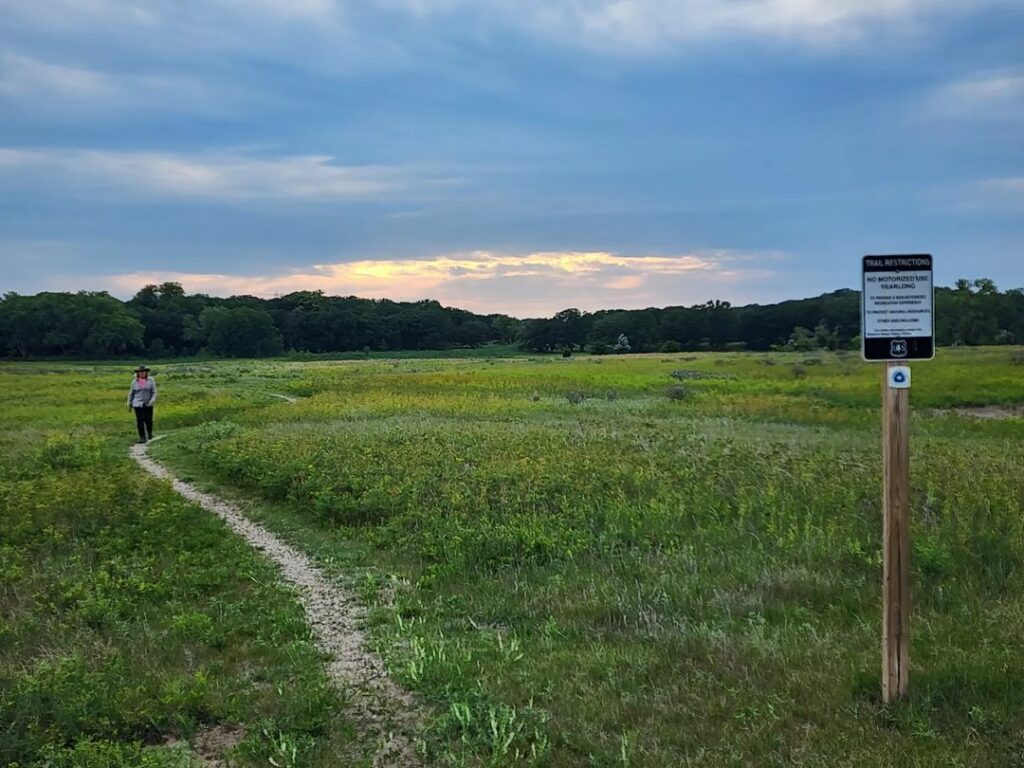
x: 211, y: 176
x: 612, y: 26
x: 302, y: 34
x: 992, y: 96
x: 628, y: 26
x: 1005, y: 193
x: 51, y: 87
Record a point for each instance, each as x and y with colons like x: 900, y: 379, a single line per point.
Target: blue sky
x: 508, y: 156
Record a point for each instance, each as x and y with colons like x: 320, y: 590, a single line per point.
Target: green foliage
x: 677, y: 392
x: 63, y: 450
x: 131, y: 620
x: 164, y: 322
x: 239, y: 332
x: 83, y: 323
x: 621, y: 581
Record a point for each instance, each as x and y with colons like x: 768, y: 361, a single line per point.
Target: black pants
x: 144, y: 421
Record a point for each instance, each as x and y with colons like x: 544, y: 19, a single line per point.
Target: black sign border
x: 880, y: 350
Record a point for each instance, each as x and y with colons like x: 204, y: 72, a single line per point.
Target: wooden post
x: 896, y: 540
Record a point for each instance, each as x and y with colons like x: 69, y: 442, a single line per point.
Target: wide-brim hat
x: 142, y: 368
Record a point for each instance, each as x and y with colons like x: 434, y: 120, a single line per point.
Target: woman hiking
x: 141, y: 396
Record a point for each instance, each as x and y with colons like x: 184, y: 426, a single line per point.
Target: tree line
x: 972, y: 312
x: 163, y: 321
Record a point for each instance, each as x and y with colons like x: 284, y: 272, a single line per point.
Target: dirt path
x: 287, y: 398
x: 985, y: 412
x: 375, y: 703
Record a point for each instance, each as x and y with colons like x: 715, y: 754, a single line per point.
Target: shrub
x: 683, y: 374
x: 69, y: 451
x: 1017, y: 358
x: 677, y: 392
x: 574, y: 397
x: 212, y: 431
x: 799, y: 371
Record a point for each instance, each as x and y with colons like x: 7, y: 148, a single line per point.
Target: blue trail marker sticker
x: 899, y: 377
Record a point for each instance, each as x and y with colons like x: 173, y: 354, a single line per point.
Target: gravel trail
x: 287, y: 398
x: 375, y: 702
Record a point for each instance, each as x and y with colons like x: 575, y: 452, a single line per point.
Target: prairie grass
x: 636, y: 580
x: 581, y: 580
x: 132, y: 623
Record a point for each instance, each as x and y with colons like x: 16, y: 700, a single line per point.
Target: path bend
x: 375, y: 702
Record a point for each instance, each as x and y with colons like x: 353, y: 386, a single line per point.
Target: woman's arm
x: 152, y: 396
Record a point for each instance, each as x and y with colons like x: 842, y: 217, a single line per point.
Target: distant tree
x: 165, y: 311
x: 801, y: 340
x: 825, y: 337
x: 83, y: 323
x: 723, y: 323
x: 621, y: 344
x: 239, y: 332
x: 504, y: 328
x: 113, y: 333
x: 969, y: 314
x: 570, y: 328
x: 173, y: 322
x: 640, y: 328
x: 538, y: 335
x: 472, y: 333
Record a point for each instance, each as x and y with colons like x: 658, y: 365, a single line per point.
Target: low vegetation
x: 135, y: 631
x: 567, y: 578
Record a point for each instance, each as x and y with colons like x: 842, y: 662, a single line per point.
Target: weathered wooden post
x: 896, y: 534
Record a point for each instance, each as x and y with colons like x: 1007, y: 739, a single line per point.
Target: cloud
x: 50, y: 87
x: 626, y: 26
x: 1005, y: 193
x: 69, y: 15
x: 212, y: 176
x: 311, y: 35
x: 995, y: 95
x: 530, y: 284
x: 612, y: 27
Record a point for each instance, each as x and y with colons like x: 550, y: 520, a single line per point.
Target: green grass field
x: 655, y: 560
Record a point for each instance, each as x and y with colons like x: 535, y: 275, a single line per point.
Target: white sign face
x: 899, y: 377
x: 898, y: 294
x: 897, y: 304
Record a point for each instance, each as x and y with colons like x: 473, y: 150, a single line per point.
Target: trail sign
x: 897, y: 318
x: 897, y: 324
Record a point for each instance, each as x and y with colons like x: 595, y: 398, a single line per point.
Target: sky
x: 517, y: 156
